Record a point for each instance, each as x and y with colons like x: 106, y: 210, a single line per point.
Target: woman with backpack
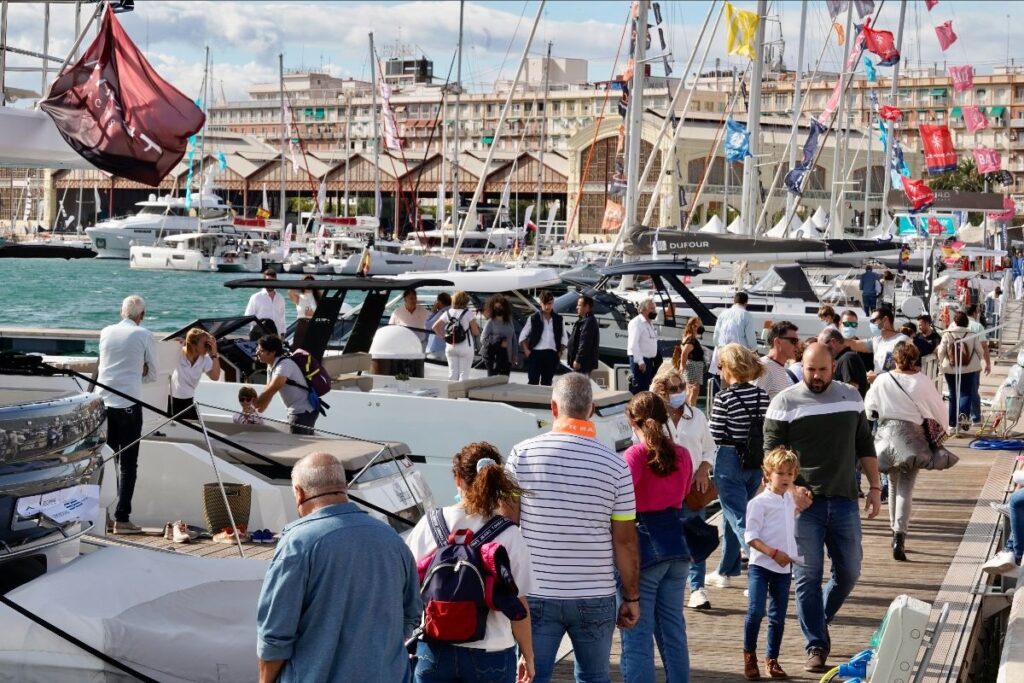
x: 737, y: 419
x: 961, y: 355
x: 485, y: 486
x: 457, y: 327
x: 900, y: 401
x: 662, y: 472
x: 499, y: 337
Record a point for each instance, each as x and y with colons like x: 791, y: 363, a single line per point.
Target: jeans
x: 1015, y: 543
x: 901, y: 493
x: 302, y: 423
x: 764, y: 583
x: 695, y: 577
x: 541, y: 366
x: 186, y: 404
x: 736, y: 486
x: 870, y: 302
x: 661, y: 619
x: 460, y: 360
x: 831, y: 524
x: 590, y: 623
x: 446, y: 663
x: 124, y: 425
x: 641, y: 380
x: 968, y: 401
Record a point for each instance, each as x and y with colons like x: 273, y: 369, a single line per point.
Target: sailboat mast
x: 835, y: 218
x: 376, y: 139
x: 883, y: 218
x: 543, y: 131
x: 750, y: 176
x: 635, y: 119
x: 790, y: 203
x: 202, y: 140
x: 456, y: 133
x: 348, y: 145
x: 284, y: 143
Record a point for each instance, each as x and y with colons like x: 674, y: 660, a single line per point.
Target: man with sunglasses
x: 884, y: 339
x: 783, y: 344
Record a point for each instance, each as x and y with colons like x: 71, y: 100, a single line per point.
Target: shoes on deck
x: 126, y: 529
x: 815, y: 663
x: 1004, y: 562
x: 716, y: 580
x: 1001, y: 508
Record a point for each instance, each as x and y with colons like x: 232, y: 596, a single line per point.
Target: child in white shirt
x: 248, y: 415
x: 771, y: 534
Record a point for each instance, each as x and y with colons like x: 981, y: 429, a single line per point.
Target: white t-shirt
x: 881, y: 349
x: 771, y: 518
x: 498, y: 635
x: 464, y: 316
x: 306, y: 305
x: 186, y: 376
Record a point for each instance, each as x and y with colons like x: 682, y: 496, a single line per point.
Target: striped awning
x: 955, y: 113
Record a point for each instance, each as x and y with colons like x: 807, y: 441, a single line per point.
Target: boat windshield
x: 163, y: 210
x: 786, y: 281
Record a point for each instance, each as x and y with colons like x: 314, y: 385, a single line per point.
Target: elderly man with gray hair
x: 127, y: 358
x: 579, y: 524
x: 642, y: 347
x: 341, y: 594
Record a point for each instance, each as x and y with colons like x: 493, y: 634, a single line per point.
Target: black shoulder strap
x: 438, y: 527
x: 791, y: 374
x: 490, y: 531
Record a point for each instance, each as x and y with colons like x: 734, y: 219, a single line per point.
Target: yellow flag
x: 742, y: 29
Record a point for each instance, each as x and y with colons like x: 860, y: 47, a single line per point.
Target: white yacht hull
x: 169, y: 258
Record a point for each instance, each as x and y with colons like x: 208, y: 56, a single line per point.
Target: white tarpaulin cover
x: 173, y: 618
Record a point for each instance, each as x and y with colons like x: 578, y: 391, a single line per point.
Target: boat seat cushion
x: 463, y: 389
x: 346, y: 364
x: 352, y: 381
x: 513, y: 392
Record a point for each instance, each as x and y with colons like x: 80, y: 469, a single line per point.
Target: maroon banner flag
x: 946, y: 35
x: 1008, y: 212
x: 939, y: 156
x: 890, y: 113
x: 119, y: 114
x: 988, y: 160
x: 963, y: 77
x: 920, y: 195
x: 930, y: 3
x: 974, y: 120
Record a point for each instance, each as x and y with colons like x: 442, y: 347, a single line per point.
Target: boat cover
x: 171, y: 617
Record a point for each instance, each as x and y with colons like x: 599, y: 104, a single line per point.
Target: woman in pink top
x: 662, y: 472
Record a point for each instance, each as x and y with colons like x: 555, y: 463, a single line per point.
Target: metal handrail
x: 9, y: 552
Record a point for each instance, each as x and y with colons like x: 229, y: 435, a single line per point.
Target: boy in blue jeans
x: 771, y: 534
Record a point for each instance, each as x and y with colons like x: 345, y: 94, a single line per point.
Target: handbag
x: 942, y: 458
x: 751, y: 450
x: 695, y: 500
x: 701, y: 538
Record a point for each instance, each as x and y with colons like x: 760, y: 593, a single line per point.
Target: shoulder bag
x: 942, y: 458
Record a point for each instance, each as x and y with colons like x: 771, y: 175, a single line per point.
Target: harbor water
x: 87, y: 294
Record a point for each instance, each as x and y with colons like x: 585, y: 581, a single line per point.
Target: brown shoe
x: 773, y: 670
x: 750, y: 669
x: 816, y: 661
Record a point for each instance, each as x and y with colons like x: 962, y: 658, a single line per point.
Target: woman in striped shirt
x: 731, y: 415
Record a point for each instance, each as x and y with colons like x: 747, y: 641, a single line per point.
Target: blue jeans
x: 695, y: 577
x: 736, y: 486
x: 590, y: 623
x: 661, y: 619
x: 870, y: 301
x: 445, y: 663
x: 831, y: 524
x: 968, y: 401
x: 764, y: 583
x: 1015, y: 543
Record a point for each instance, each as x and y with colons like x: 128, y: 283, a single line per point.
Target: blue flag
x: 869, y: 69
x: 737, y: 141
x: 794, y: 178
x: 222, y: 162
x: 811, y: 146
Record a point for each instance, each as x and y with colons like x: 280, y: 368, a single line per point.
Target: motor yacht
x: 201, y: 252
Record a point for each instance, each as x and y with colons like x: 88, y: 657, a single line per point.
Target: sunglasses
x: 792, y: 340
x: 849, y: 323
x: 246, y: 400
x: 674, y: 387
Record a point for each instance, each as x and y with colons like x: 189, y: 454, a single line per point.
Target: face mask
x: 849, y: 332
x: 676, y: 400
x: 652, y: 315
x: 875, y: 329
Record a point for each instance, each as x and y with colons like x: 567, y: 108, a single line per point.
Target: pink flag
x: 1008, y: 212
x: 920, y: 195
x: 963, y: 77
x: 974, y: 120
x: 987, y: 160
x: 890, y: 113
x: 945, y: 33
x: 930, y: 3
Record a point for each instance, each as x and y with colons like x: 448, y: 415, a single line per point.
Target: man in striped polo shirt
x: 578, y: 519
x: 824, y: 422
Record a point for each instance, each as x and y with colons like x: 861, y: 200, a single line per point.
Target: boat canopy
x: 786, y: 281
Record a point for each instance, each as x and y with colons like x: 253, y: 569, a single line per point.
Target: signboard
x: 949, y: 200
x: 906, y: 226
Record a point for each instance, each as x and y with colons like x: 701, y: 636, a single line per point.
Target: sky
x: 245, y: 37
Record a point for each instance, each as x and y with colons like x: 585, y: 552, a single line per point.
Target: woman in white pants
x: 458, y: 327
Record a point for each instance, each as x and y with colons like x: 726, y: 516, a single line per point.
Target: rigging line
x: 597, y: 126
x: 512, y: 40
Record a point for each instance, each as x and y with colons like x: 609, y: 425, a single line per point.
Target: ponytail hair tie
x: 484, y: 462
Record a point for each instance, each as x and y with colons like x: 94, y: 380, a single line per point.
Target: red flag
x: 930, y: 3
x: 881, y: 43
x: 920, y: 195
x: 117, y: 112
x: 974, y: 120
x: 939, y: 156
x: 889, y: 113
x: 945, y: 33
x: 1008, y: 212
x: 934, y: 226
x: 988, y: 160
x: 963, y: 77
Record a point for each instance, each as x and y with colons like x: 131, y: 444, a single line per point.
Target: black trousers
x: 124, y: 425
x: 186, y: 404
x: 541, y: 366
x: 302, y: 423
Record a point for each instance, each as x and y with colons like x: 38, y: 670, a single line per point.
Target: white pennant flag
x: 286, y: 241
x: 321, y: 197
x: 96, y: 199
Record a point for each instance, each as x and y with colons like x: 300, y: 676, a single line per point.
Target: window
x: 981, y: 94
x: 556, y: 108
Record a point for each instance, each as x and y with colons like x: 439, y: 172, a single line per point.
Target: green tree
x: 964, y: 179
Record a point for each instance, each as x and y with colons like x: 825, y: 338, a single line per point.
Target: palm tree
x: 964, y: 179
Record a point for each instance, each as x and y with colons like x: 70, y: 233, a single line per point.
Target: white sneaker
x: 699, y: 599
x: 716, y: 580
x: 1001, y: 508
x: 180, y: 532
x: 746, y: 592
x: 1018, y: 477
x: 1003, y: 562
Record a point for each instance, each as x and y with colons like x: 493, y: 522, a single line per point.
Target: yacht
x: 157, y: 217
x: 201, y: 252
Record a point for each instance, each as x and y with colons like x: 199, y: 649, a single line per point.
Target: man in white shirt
x: 267, y: 304
x: 543, y: 339
x: 127, y: 358
x: 410, y: 313
x: 782, y: 348
x: 642, y: 346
